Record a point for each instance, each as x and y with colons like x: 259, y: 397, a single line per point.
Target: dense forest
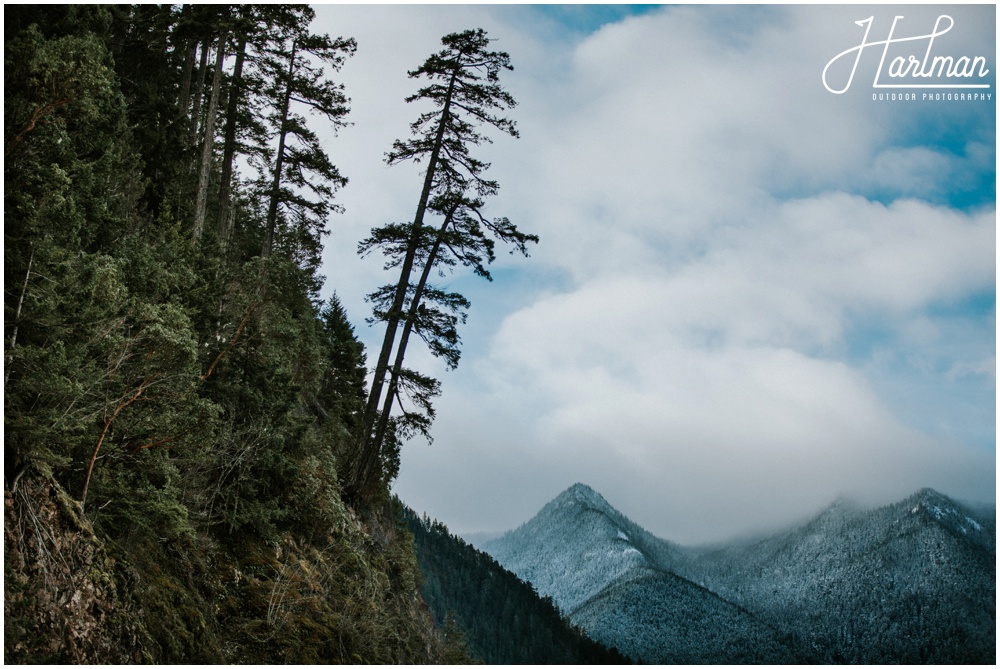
x: 195, y: 469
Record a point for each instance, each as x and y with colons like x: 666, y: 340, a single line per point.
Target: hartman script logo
x: 916, y: 65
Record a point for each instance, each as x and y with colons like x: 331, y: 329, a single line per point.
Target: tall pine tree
x: 463, y: 86
x: 303, y: 179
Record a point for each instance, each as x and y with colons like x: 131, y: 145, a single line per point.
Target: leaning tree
x: 463, y: 88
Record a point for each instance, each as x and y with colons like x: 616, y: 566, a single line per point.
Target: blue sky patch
x: 588, y: 18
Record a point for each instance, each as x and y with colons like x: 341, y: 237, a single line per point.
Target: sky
x: 752, y: 295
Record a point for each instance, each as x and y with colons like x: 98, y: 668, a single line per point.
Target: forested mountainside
x: 912, y: 582
x: 611, y: 577
x: 500, y: 617
x: 662, y: 618
x: 194, y: 469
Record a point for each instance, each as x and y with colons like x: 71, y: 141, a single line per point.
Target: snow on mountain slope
x: 612, y: 577
x: 577, y: 544
x: 912, y: 582
x: 665, y: 619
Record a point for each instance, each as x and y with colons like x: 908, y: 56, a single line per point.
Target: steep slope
x: 179, y: 403
x: 911, y: 582
x: 576, y: 545
x: 665, y: 619
x: 611, y: 576
x: 74, y: 596
x: 502, y: 619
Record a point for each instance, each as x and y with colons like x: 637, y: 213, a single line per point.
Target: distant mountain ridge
x: 912, y: 582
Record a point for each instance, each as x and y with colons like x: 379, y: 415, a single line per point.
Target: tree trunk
x: 17, y: 315
x: 184, y: 97
x: 279, y: 160
x: 199, y: 88
x: 404, y: 337
x: 229, y: 146
x: 201, y: 199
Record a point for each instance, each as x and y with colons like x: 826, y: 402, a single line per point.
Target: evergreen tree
x: 176, y: 415
x: 254, y: 27
x: 208, y: 137
x: 499, y: 617
x: 303, y: 179
x: 61, y: 100
x: 464, y: 87
x: 142, y: 40
x: 434, y: 314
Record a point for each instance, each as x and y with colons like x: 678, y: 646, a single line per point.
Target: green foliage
x: 455, y: 649
x: 464, y: 86
x: 178, y: 417
x: 301, y: 184
x: 147, y: 69
x: 64, y: 83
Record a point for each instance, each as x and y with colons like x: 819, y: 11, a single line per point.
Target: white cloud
x: 985, y: 367
x: 702, y: 199
x: 721, y: 374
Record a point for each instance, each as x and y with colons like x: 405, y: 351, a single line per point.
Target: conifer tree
x: 208, y: 141
x: 434, y: 314
x: 303, y: 179
x: 464, y: 88
x: 254, y: 27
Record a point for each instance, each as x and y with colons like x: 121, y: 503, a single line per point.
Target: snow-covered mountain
x: 616, y: 581
x: 911, y: 582
x: 576, y: 545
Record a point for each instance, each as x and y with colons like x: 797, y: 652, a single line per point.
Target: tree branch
x: 104, y: 432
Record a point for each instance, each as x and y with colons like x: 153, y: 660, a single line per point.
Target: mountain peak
x: 931, y: 495
x: 581, y: 497
x: 843, y: 568
x: 573, y: 546
x: 583, y: 494
x: 945, y: 512
x: 930, y: 499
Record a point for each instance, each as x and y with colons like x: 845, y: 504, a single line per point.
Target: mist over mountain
x: 912, y: 582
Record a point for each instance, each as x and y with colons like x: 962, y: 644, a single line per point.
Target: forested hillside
x: 501, y: 618
x: 183, y: 413
x: 662, y: 618
x: 912, y: 582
